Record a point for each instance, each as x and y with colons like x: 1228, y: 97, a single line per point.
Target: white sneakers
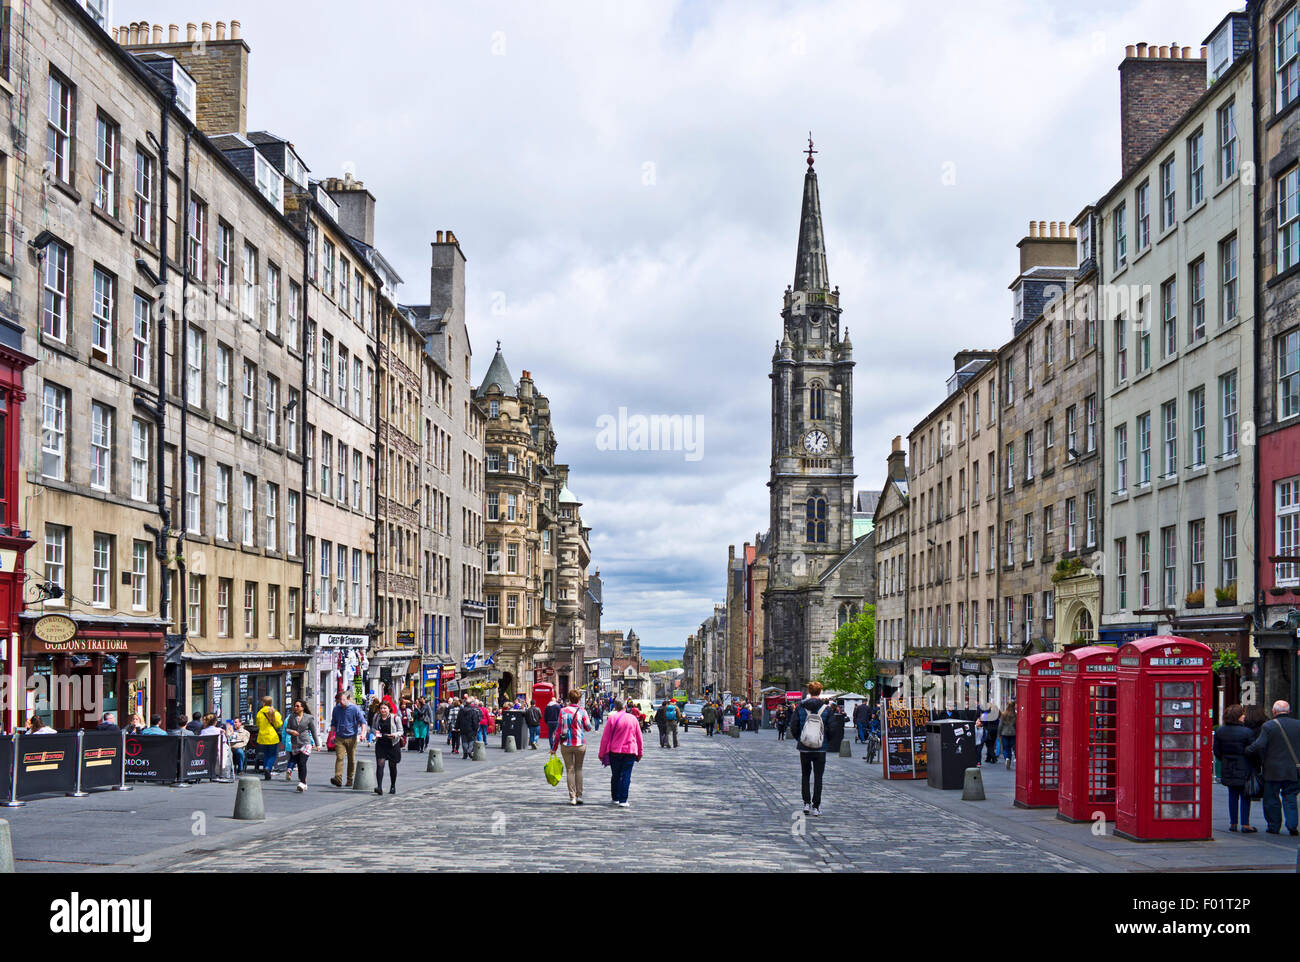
x: 807, y: 809
x: 302, y: 786
x: 817, y: 811
x: 624, y: 804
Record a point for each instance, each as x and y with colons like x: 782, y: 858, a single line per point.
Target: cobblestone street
x: 713, y: 804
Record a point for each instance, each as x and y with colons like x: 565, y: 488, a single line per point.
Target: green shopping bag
x: 554, y: 769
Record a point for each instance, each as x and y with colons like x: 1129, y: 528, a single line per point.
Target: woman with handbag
x: 387, y: 730
x: 269, y: 724
x: 1236, y: 770
x: 300, y: 726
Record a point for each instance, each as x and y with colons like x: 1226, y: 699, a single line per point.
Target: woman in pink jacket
x: 620, y: 749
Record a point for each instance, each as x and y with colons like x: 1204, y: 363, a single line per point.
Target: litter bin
x: 512, y: 724
x: 950, y: 749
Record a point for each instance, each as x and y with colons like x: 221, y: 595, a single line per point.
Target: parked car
x: 693, y: 712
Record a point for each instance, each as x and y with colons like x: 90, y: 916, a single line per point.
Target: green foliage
x: 1226, y: 662
x: 1067, y: 568
x: 663, y: 665
x: 852, y: 659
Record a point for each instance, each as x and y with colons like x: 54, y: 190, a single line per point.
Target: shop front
x: 1228, y: 638
x: 14, y: 541
x: 75, y: 668
x: 1118, y: 635
x: 394, y: 672
x: 233, y: 686
x: 336, y: 657
x: 1002, y: 685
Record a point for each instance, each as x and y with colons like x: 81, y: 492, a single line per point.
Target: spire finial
x: 810, y: 150
x: 498, y: 346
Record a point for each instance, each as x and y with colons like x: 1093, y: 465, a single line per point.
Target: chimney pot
x: 173, y: 33
x: 1164, y: 53
x: 1141, y: 50
x: 234, y: 30
x: 1130, y: 50
x: 221, y: 30
x: 207, y: 31
x: 144, y: 31
x: 1042, y: 228
x: 439, y: 240
x: 1176, y: 52
x: 1187, y: 53
x: 191, y: 32
x: 113, y: 34
x: 1204, y: 52
x: 157, y: 33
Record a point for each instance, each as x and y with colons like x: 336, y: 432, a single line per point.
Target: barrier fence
x: 71, y: 763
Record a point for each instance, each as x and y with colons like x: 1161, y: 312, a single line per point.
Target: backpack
x: 813, y: 733
x: 671, y: 713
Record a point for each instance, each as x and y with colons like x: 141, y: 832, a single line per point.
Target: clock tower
x: 811, y: 484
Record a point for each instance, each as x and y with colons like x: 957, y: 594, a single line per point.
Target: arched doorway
x: 1083, y: 630
x: 507, y: 688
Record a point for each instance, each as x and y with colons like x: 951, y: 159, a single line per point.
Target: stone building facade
x: 1049, y: 498
x: 186, y: 478
x: 520, y: 522
x: 890, y: 525
x: 953, y: 512
x: 1277, y: 404
x: 1178, y: 325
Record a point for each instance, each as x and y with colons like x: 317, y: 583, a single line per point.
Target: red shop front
x: 1038, y: 730
x: 1089, y: 733
x: 1165, y: 770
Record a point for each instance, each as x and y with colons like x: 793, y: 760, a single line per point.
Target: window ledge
x: 1229, y: 462
x: 1230, y: 182
x: 68, y: 190
x: 1285, y: 275
x: 1167, y: 482
x: 1170, y: 359
x: 1167, y: 233
x: 1194, y: 473
x: 1142, y: 491
x: 1117, y: 497
x: 1228, y: 325
x: 1143, y: 253
x: 1144, y: 374
x: 108, y: 218
x: 1200, y: 205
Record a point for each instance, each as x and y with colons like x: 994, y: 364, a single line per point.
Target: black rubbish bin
x: 512, y: 725
x: 950, y: 749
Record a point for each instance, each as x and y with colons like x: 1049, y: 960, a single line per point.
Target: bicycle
x: 873, y: 747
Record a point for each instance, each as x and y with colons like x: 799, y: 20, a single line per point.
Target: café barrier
x: 70, y: 763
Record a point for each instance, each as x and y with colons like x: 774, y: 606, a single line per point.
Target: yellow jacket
x: 268, y: 726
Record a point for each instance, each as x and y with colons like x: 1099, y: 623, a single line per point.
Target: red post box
x: 1038, y: 730
x: 1089, y: 727
x: 1166, y: 686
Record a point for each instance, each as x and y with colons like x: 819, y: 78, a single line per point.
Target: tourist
x: 155, y: 726
x: 1278, y: 751
x: 709, y: 718
x: 269, y: 724
x: 453, y: 733
x: 808, y: 728
x: 237, y: 737
x: 862, y: 720
x: 574, y: 723
x: 108, y: 723
x: 552, y: 717
x: 36, y: 726
x: 1231, y: 739
x: 671, y: 715
x: 388, y: 748
x: 533, y: 719
x: 346, y: 724
x: 469, y: 720
x: 620, y: 749
x: 301, y: 728
x: 1007, y: 732
x: 195, y: 725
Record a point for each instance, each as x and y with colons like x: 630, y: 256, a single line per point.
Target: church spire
x: 810, y: 261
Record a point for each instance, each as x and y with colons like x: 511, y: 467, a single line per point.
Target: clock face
x: 816, y: 442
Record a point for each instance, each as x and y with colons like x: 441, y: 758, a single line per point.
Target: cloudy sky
x: 625, y: 179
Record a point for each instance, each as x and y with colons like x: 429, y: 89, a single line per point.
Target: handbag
x: 1254, y: 787
x: 329, y: 741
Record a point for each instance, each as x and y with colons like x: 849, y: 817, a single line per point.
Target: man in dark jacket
x: 533, y: 719
x: 468, y: 721
x: 552, y: 716
x: 1278, y: 750
x: 812, y: 761
x: 709, y: 717
x: 862, y: 720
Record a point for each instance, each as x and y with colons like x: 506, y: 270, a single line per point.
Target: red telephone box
x: 543, y: 694
x: 1089, y: 727
x: 1166, y: 686
x: 1038, y: 730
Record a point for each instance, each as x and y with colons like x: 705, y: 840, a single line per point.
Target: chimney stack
x: 1157, y: 85
x: 219, y: 69
x: 897, y: 461
x: 356, y: 206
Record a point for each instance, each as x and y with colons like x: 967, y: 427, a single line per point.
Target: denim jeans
x: 269, y: 754
x: 482, y: 734
x: 1008, y: 747
x: 534, y: 733
x: 238, y: 755
x: 1238, y: 805
x: 620, y: 775
x: 862, y: 732
x: 1279, y: 800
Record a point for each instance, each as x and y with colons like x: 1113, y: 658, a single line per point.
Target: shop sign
x: 8, y: 560
x: 406, y: 639
x: 343, y: 641
x: 55, y: 629
x: 971, y: 666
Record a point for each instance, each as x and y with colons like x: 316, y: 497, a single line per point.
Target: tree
x: 659, y: 665
x: 852, y: 660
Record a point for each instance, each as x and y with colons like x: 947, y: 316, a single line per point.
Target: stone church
x: 820, y: 575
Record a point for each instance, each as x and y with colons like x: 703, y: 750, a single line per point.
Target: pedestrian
x: 1007, y: 732
x: 709, y: 716
x: 533, y: 719
x: 1231, y: 739
x: 237, y: 738
x: 1278, y: 751
x: 836, y: 722
x: 990, y: 720
x: 671, y: 715
x: 423, y: 722
x: 782, y: 721
x: 301, y: 728
x: 742, y: 716
x: 808, y: 728
x: 155, y: 726
x: 388, y: 748
x: 347, y: 724
x: 36, y: 726
x: 195, y: 724
x: 485, y: 716
x: 469, y: 718
x: 108, y: 723
x: 574, y: 724
x: 552, y: 717
x: 661, y: 722
x: 620, y: 748
x: 136, y: 726
x: 453, y: 732
x: 862, y: 720
x: 269, y: 723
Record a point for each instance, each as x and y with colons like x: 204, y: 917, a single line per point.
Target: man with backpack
x: 808, y: 728
x: 671, y: 715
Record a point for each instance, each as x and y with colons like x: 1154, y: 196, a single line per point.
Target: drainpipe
x: 304, y: 320
x: 163, y: 532
x: 184, y: 344
x: 1258, y: 604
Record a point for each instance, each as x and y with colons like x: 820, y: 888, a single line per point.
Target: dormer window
x: 1018, y: 305
x: 1085, y: 240
x: 186, y: 91
x: 294, y: 169
x: 1220, y: 51
x: 270, y: 182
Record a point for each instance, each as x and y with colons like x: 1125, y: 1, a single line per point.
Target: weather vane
x: 810, y: 150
